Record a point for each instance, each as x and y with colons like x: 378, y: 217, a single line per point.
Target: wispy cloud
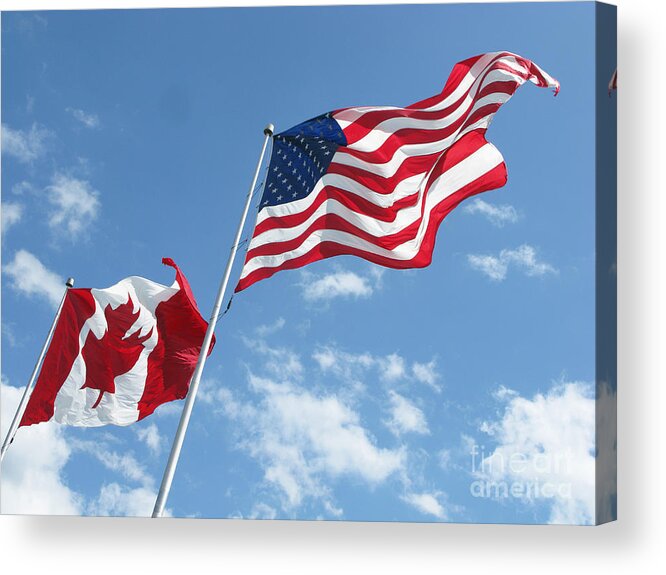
x: 117, y: 500
x: 523, y: 258
x: 25, y: 146
x: 23, y: 187
x: 339, y: 284
x: 74, y: 203
x: 89, y: 120
x: 427, y: 373
x: 279, y: 361
x: 391, y: 368
x: 426, y: 503
x: 498, y: 215
x: 31, y: 277
x: 265, y: 330
x: 120, y: 498
x: 151, y: 436
x: 405, y: 416
x: 12, y: 213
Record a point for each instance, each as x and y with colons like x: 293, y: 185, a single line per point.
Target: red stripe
x: 64, y: 348
x: 409, y: 136
x: 491, y: 180
x: 371, y: 119
x: 453, y: 156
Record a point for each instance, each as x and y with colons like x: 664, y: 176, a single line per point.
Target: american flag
x: 376, y: 182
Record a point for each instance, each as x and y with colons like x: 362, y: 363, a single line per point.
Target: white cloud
x: 523, y: 258
x: 546, y: 441
x: 25, y: 146
x: 269, y: 329
x: 392, y: 367
x: 445, y: 459
x: 491, y: 266
x: 32, y: 477
x: 303, y: 440
x: 503, y: 393
x: 344, y: 284
x: 9, y: 334
x: 263, y: 511
x: 88, y: 120
x: 11, y: 214
x: 405, y: 416
x: 119, y: 500
x: 341, y: 362
x: 150, y: 435
x: 125, y: 464
x: 30, y: 277
x: 498, y: 215
x: 22, y: 187
x: 426, y: 503
x: 75, y: 205
x: 281, y: 362
x: 427, y: 373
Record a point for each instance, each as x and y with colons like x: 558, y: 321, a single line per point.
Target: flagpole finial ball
x: 268, y: 130
x: 70, y: 282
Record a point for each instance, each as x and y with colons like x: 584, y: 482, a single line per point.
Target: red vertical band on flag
x: 181, y: 333
x: 78, y: 306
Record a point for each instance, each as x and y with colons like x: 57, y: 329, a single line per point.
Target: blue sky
x: 343, y: 390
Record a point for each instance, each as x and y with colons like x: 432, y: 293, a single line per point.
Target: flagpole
x: 28, y: 390
x: 170, y: 469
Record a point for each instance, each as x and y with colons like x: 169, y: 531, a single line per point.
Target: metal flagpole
x: 196, y: 377
x: 28, y: 390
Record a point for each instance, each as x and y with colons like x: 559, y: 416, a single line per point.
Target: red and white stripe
x: 402, y: 171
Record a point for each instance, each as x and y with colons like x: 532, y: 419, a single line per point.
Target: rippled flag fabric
x: 376, y: 182
x: 119, y: 353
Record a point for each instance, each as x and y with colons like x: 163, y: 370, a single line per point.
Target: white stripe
x: 468, y: 170
x: 390, y: 167
x: 374, y: 139
x: 378, y: 228
x: 348, y: 185
x: 350, y: 115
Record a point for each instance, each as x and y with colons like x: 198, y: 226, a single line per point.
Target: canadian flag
x: 119, y: 353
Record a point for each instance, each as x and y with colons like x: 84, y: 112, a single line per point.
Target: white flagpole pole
x: 28, y: 390
x: 170, y: 469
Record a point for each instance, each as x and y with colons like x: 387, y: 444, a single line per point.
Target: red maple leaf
x: 113, y: 354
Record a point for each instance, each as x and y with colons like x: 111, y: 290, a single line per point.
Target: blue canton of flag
x: 301, y: 156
